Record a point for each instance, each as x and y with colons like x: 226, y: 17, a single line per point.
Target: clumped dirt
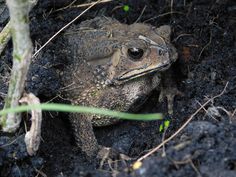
x: 204, y: 34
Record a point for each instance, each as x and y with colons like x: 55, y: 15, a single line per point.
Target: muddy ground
x: 204, y: 34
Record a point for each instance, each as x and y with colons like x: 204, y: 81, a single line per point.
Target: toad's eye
x: 135, y: 53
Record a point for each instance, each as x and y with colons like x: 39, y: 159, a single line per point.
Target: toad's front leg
x: 168, y: 90
x: 84, y: 134
x: 86, y: 140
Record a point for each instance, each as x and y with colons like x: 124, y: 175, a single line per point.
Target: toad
x: 113, y: 66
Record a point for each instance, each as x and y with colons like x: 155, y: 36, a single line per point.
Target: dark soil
x: 204, y: 33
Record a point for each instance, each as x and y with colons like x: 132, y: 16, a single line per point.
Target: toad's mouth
x: 146, y: 68
x: 141, y: 71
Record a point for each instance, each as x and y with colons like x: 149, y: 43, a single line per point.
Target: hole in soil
x: 231, y: 164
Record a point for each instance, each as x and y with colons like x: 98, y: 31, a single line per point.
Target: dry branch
x: 22, y: 52
x: 5, y: 34
x: 32, y: 137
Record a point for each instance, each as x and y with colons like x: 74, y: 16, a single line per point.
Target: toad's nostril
x: 160, y: 52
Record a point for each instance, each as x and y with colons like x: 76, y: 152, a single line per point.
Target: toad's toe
x: 110, y: 156
x: 169, y: 94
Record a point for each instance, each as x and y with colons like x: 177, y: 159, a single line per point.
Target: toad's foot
x: 170, y: 94
x: 110, y: 156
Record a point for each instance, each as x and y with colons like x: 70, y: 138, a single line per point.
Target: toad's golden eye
x: 135, y: 53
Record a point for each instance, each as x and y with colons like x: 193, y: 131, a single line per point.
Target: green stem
x: 82, y: 109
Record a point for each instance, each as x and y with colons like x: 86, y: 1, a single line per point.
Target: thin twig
x: 5, y: 36
x: 186, y: 161
x: 207, y: 112
x: 3, y: 94
x: 234, y: 112
x: 162, y: 15
x: 195, y: 168
x: 171, y: 5
x: 205, y: 46
x: 162, y: 139
x: 179, y: 36
x: 141, y: 14
x: 66, y: 7
x: 183, y: 126
x: 81, y: 5
x: 39, y: 172
x: 64, y: 27
x: 10, y: 143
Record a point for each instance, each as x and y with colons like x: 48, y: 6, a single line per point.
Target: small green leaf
x: 161, y: 128
x: 166, y: 124
x: 126, y: 8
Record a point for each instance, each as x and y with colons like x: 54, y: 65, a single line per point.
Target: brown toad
x: 114, y: 66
